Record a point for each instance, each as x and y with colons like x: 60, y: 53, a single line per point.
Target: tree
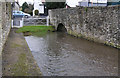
x: 55, y: 5
x: 27, y: 8
x: 24, y: 6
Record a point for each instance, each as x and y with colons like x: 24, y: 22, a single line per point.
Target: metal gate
x: 31, y: 21
x: 36, y: 21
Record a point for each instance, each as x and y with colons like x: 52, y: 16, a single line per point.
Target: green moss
x: 79, y: 35
x: 118, y: 46
x: 72, y: 33
x: 35, y: 30
x: 109, y: 43
x: 112, y: 45
x: 93, y: 39
x: 86, y: 9
x: 69, y: 32
x: 21, y: 67
x: 15, y: 45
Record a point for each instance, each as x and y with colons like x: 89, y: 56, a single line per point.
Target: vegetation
x: 36, y: 12
x: 35, y: 30
x: 55, y: 5
x: 21, y: 67
x: 27, y: 8
x: 24, y: 6
x: 86, y: 9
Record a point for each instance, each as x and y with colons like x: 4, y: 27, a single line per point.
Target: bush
x: 36, y: 12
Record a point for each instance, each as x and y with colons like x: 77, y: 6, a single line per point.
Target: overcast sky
x: 72, y: 3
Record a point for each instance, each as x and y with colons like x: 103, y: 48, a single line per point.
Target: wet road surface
x: 58, y: 54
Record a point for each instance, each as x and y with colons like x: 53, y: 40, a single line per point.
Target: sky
x: 71, y: 3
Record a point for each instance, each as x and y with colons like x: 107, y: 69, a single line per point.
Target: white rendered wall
x: 38, y: 6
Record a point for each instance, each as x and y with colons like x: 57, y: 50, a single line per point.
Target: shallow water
x: 58, y: 54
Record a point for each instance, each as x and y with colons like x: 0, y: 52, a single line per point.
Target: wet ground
x: 17, y: 59
x: 58, y: 54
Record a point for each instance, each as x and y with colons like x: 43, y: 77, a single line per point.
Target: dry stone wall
x: 100, y: 24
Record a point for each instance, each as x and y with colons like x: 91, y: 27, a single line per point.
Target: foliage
x: 24, y: 6
x: 55, y: 5
x: 27, y: 8
x: 36, y: 12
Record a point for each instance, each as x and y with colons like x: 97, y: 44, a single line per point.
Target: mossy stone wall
x: 100, y: 24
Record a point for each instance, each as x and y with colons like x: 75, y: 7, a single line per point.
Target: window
x: 40, y: 4
x: 18, y: 12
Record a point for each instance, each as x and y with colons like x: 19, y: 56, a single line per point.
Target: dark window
x: 40, y: 4
x: 18, y: 12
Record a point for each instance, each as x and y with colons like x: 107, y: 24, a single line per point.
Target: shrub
x: 36, y: 12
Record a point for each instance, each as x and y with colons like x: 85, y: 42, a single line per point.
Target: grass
x: 21, y: 67
x: 15, y: 45
x: 35, y: 30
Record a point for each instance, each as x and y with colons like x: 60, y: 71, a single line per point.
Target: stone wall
x: 5, y: 22
x: 0, y: 27
x: 100, y: 24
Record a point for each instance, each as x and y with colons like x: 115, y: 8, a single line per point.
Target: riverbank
x: 35, y: 30
x: 17, y: 59
x: 43, y: 30
x: 59, y: 54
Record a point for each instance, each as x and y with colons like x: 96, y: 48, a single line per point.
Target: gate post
x: 22, y: 22
x: 12, y: 24
x: 47, y: 20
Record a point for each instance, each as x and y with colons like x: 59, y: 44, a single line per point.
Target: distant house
x: 16, y: 6
x: 39, y: 6
x: 89, y: 3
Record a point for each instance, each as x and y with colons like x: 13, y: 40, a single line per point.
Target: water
x: 58, y: 54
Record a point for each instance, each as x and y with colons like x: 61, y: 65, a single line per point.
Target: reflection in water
x: 58, y: 54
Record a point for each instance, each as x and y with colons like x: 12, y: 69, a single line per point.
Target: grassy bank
x: 35, y: 30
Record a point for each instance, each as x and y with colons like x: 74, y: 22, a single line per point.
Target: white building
x: 88, y: 3
x: 38, y: 5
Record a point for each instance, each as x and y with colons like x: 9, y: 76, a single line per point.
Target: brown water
x: 58, y: 54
